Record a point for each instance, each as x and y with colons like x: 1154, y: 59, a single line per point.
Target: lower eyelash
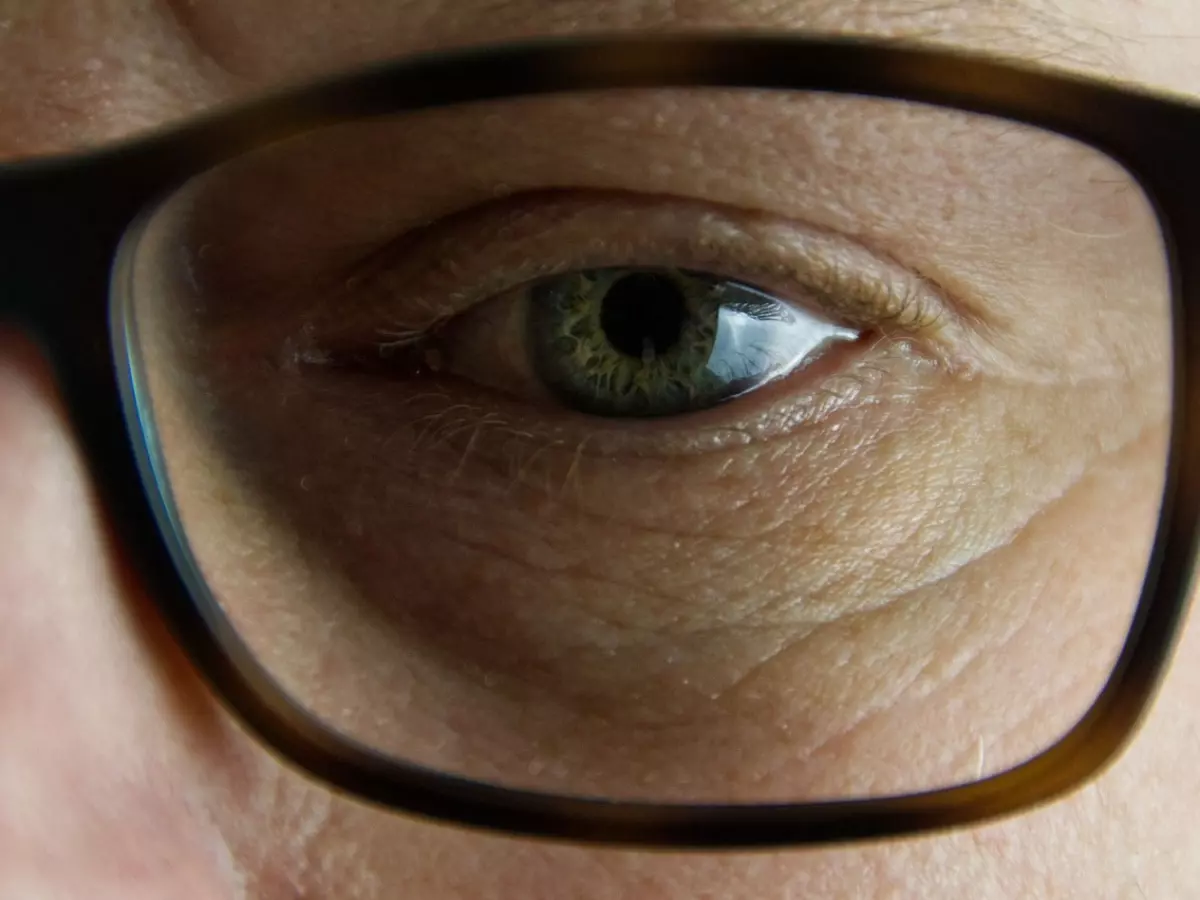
x: 871, y: 371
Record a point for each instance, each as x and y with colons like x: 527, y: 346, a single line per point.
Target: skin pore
x: 118, y: 774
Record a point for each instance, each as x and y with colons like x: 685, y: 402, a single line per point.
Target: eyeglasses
x: 715, y: 441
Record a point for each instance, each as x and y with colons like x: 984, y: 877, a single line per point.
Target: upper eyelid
x: 399, y: 277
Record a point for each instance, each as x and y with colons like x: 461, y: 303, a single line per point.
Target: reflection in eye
x: 659, y: 342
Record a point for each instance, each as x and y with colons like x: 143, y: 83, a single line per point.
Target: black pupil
x: 643, y: 310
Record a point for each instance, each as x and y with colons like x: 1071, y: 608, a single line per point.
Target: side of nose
x: 99, y: 719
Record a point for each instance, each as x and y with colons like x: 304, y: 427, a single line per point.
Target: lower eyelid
x: 848, y: 376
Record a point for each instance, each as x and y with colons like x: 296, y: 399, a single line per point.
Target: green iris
x: 660, y: 342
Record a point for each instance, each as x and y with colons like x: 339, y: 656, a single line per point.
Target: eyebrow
x: 1034, y: 30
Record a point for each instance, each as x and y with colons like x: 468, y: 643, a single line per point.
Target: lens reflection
x: 874, y: 521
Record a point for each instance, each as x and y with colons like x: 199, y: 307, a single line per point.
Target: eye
x: 549, y: 310
x: 634, y: 342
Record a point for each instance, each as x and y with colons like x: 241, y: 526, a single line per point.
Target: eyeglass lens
x: 682, y: 445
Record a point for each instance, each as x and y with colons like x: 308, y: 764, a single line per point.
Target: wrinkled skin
x: 120, y: 776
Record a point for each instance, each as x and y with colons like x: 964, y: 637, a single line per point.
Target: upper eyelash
x: 893, y: 299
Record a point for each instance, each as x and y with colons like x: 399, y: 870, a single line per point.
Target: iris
x: 625, y: 342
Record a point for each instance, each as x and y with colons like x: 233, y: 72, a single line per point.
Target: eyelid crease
x: 415, y: 283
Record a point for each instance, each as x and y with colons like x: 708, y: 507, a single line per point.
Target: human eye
x: 711, y: 454
x: 632, y: 342
x: 589, y: 320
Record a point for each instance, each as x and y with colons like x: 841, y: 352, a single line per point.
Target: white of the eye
x: 754, y: 347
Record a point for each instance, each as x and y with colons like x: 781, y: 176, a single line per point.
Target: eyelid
x: 425, y: 278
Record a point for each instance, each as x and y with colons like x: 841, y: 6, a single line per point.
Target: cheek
x: 1118, y: 837
x: 842, y: 612
x: 106, y: 732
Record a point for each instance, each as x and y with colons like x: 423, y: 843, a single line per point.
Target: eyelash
x: 442, y: 409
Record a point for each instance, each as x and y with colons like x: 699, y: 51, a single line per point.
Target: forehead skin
x: 85, y: 71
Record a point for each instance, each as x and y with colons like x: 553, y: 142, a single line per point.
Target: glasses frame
x: 62, y: 220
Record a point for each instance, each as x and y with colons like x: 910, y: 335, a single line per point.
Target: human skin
x: 121, y: 776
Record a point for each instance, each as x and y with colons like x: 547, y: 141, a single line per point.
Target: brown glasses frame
x: 62, y: 219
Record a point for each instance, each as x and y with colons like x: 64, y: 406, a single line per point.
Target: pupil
x: 643, y: 309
